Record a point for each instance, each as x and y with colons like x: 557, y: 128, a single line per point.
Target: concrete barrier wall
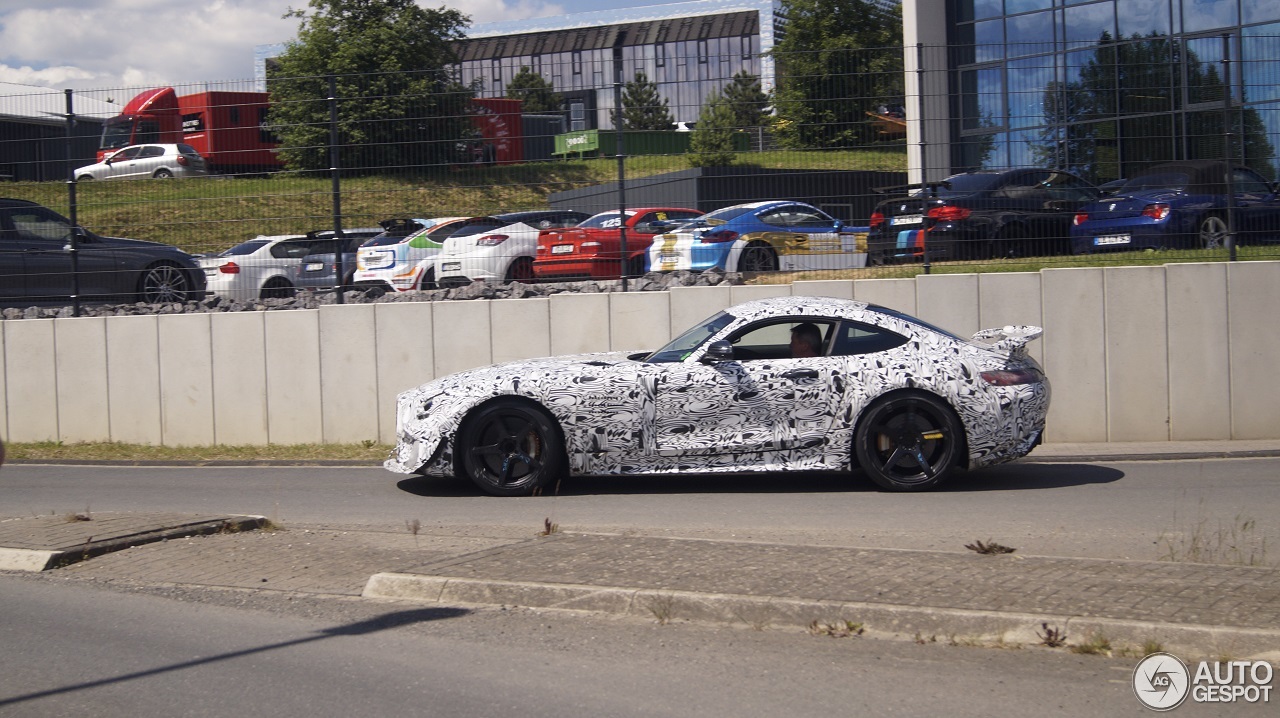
x: 1179, y: 352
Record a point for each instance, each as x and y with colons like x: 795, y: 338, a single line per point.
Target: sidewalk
x: 1202, y: 609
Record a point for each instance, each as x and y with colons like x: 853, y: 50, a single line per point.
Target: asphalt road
x: 89, y: 650
x: 1138, y: 510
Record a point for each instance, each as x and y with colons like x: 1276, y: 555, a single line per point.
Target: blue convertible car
x: 1179, y: 205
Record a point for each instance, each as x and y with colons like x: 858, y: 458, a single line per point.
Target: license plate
x: 211, y: 271
x: 313, y: 266
x: 907, y: 219
x: 450, y: 266
x: 669, y: 259
x: 562, y: 249
x: 1110, y: 239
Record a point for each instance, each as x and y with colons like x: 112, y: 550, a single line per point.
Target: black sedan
x: 980, y: 215
x: 36, y: 262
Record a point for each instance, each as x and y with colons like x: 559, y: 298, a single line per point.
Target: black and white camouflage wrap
x: 621, y: 415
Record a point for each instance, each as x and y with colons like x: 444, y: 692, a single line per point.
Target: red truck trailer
x: 227, y: 128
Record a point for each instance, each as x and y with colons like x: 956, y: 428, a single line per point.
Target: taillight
x: 1011, y: 377
x: 1080, y: 218
x: 491, y: 240
x: 877, y: 219
x: 949, y: 213
x: 229, y: 268
x: 720, y: 235
x: 182, y: 160
x: 1157, y: 211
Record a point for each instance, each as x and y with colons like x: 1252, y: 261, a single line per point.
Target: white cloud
x: 111, y: 44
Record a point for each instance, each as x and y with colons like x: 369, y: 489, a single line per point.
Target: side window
x: 771, y: 339
x: 1250, y: 184
x: 290, y: 250
x: 128, y: 153
x: 778, y: 217
x: 151, y: 151
x: 854, y: 338
x: 39, y: 224
x: 1067, y: 187
x: 1025, y: 187
x: 811, y: 219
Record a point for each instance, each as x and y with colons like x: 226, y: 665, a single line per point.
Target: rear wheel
x: 277, y: 288
x: 510, y: 448
x: 757, y: 257
x: 635, y: 267
x: 908, y: 442
x: 1011, y: 244
x: 428, y: 279
x: 162, y: 283
x: 163, y: 174
x: 520, y: 270
x: 1213, y: 232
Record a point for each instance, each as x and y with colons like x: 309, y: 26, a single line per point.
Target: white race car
x: 504, y: 254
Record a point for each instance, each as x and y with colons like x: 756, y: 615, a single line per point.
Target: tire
x: 1011, y: 244
x: 277, y: 288
x: 908, y: 442
x: 635, y: 267
x: 510, y: 448
x: 163, y: 174
x: 162, y: 283
x: 427, y: 280
x: 85, y: 178
x: 757, y: 257
x: 520, y: 270
x: 1212, y: 233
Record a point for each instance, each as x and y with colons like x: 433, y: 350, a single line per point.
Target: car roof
x: 12, y: 202
x: 1203, y: 176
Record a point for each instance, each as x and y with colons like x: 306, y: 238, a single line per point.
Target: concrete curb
x: 880, y: 620
x: 18, y: 559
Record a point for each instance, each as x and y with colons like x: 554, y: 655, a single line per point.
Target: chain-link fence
x: 1110, y: 153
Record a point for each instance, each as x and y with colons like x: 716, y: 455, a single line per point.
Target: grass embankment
x: 208, y: 215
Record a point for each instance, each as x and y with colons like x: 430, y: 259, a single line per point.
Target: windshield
x: 604, y: 220
x: 726, y: 214
x: 682, y: 346
x: 116, y: 132
x: 249, y: 247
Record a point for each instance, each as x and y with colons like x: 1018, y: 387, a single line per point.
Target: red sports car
x: 593, y: 249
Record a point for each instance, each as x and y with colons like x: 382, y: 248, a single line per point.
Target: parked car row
x: 1033, y: 212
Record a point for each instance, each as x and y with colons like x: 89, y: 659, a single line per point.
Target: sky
x: 105, y: 44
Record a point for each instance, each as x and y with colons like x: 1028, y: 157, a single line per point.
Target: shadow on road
x: 1008, y: 477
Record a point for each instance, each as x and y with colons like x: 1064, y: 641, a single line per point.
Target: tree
x: 643, y: 108
x: 749, y: 103
x: 837, y: 59
x: 711, y: 143
x: 535, y: 91
x: 399, y: 102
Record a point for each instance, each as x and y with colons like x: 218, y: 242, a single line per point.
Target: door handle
x: 797, y: 374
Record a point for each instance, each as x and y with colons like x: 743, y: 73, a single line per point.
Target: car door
x: 761, y: 401
x: 120, y: 165
x: 813, y: 241
x: 13, y: 280
x: 150, y: 159
x: 1258, y: 207
x: 44, y: 236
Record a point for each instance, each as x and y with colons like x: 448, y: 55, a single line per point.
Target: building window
x: 577, y: 116
x: 577, y: 62
x: 660, y: 55
x: 702, y: 52
x: 746, y: 47
x: 497, y: 75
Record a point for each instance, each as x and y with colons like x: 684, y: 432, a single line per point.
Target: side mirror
x: 718, y: 352
x: 839, y: 225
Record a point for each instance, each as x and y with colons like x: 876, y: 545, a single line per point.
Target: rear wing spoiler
x: 1010, y: 338
x: 905, y: 188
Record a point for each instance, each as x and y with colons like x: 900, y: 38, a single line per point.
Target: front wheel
x: 1213, y: 232
x: 510, y: 448
x: 163, y: 283
x: 428, y: 280
x: 757, y: 258
x: 908, y: 442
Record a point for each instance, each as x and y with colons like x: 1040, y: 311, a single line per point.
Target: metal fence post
x: 1228, y: 126
x: 924, y: 157
x: 619, y: 149
x: 73, y: 243
x: 339, y: 265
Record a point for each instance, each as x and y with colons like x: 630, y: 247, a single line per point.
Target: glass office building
x: 1111, y: 86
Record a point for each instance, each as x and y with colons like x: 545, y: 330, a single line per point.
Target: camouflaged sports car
x: 908, y: 403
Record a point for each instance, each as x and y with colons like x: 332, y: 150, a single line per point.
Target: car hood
x: 135, y: 243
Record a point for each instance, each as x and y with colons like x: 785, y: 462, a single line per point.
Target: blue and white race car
x: 761, y: 237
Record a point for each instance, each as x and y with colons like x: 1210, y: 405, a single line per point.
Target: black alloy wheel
x: 163, y: 283
x: 757, y: 257
x: 510, y: 448
x: 908, y: 442
x: 521, y: 270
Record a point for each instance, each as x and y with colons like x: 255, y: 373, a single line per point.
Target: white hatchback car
x: 402, y: 257
x: 146, y: 161
x: 505, y: 253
